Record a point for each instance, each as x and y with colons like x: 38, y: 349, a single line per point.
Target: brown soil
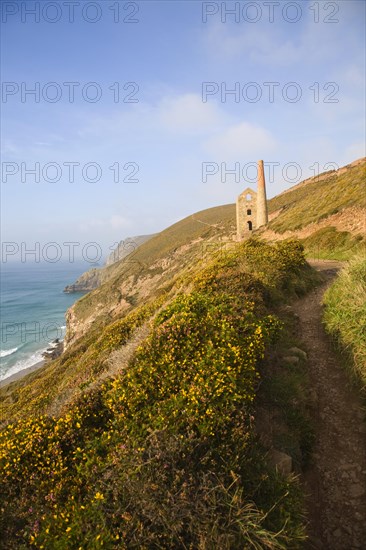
x: 335, y: 484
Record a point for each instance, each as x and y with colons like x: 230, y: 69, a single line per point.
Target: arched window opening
x: 248, y: 197
x: 250, y: 226
x: 249, y: 212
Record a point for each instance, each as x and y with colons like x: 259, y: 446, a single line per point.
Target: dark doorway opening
x: 250, y: 226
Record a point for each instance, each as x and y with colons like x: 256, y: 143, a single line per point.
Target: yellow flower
x: 99, y: 496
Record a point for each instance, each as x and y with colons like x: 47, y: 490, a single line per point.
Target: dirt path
x: 336, y: 483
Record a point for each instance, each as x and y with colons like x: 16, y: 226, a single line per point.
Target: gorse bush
x: 345, y: 312
x: 78, y: 368
x: 269, y: 274
x: 164, y: 454
x: 198, y: 364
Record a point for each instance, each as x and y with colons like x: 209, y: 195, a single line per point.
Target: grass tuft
x: 345, y: 312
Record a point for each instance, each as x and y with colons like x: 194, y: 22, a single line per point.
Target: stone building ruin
x: 251, y: 207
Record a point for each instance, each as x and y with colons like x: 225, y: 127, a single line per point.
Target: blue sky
x: 310, y: 51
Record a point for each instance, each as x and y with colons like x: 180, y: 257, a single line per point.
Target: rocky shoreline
x: 49, y: 355
x: 54, y: 351
x: 18, y: 375
x: 88, y: 281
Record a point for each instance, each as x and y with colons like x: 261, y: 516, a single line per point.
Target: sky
x: 120, y: 118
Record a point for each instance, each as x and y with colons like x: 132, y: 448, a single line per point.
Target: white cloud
x: 114, y: 222
x: 180, y: 114
x: 118, y: 222
x: 188, y: 114
x: 260, y: 45
x: 239, y: 141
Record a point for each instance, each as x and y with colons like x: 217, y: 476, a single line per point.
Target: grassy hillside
x: 331, y: 244
x: 312, y: 202
x: 318, y: 199
x: 345, y: 313
x: 142, y: 434
x: 181, y: 247
x: 187, y: 242
x: 125, y: 247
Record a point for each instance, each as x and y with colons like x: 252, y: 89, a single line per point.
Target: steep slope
x: 96, y: 276
x: 320, y: 197
x: 142, y: 436
x: 137, y: 277
x: 328, y: 213
x: 125, y: 247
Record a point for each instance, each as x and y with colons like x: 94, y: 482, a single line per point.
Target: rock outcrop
x: 92, y: 279
x: 126, y: 247
x: 86, y: 282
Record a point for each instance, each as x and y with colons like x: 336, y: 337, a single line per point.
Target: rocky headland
x: 92, y: 279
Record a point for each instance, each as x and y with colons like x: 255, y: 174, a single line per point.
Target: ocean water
x: 33, y: 307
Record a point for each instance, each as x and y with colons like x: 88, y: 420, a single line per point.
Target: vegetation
x: 192, y: 239
x: 158, y: 260
x: 345, y: 312
x: 162, y: 453
x: 310, y: 203
x: 330, y: 244
x: 78, y: 368
x: 150, y: 431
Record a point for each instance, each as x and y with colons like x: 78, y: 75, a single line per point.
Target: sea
x: 33, y: 307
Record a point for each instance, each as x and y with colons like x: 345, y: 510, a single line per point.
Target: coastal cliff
x: 86, y: 282
x: 126, y: 247
x: 183, y: 397
x: 92, y: 279
x: 156, y: 262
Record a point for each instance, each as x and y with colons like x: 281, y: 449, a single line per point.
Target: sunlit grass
x: 345, y: 312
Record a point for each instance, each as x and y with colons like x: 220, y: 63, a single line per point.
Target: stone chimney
x: 262, y: 211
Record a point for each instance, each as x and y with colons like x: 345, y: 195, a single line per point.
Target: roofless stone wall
x: 251, y: 207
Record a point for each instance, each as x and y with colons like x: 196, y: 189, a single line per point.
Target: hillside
x: 328, y: 215
x: 151, y: 430
x: 138, y: 276
x: 319, y: 198
x: 94, y: 277
x: 142, y: 434
x: 328, y: 212
x: 126, y: 247
x: 345, y: 314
